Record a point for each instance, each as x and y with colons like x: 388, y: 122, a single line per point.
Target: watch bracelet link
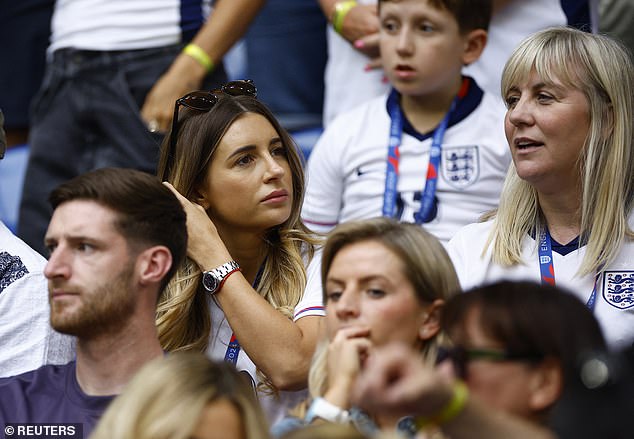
x: 224, y: 269
x: 219, y: 275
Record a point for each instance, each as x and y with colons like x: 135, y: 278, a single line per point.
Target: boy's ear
x: 474, y: 43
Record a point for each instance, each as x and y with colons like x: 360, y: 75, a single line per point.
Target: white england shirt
x: 311, y: 304
x: 614, y: 306
x: 347, y: 168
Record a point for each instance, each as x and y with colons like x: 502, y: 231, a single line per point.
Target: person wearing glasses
x: 566, y: 213
x: 383, y: 282
x: 250, y: 291
x: 515, y: 347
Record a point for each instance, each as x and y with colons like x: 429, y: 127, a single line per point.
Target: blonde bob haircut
x: 602, y: 70
x: 425, y: 263
x: 167, y: 397
x: 183, y: 316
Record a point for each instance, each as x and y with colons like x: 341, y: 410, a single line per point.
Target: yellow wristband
x: 451, y: 410
x: 199, y: 55
x: 341, y: 10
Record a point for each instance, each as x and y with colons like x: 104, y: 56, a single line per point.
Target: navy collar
x: 464, y: 108
x: 563, y: 249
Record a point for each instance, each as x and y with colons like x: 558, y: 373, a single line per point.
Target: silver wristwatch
x: 213, y: 279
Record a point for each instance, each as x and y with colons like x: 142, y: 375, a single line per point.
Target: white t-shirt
x: 347, y: 168
x: 311, y: 304
x: 614, y: 306
x: 27, y: 340
x: 348, y: 85
x: 124, y: 24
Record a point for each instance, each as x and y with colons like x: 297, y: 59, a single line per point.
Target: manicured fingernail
x: 367, y: 68
x: 359, y: 44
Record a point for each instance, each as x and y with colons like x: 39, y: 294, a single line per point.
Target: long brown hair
x: 183, y: 317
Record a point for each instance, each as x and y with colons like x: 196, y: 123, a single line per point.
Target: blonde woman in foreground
x: 184, y: 396
x: 383, y: 281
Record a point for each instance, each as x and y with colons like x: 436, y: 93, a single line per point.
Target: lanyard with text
x: 547, y: 268
x: 425, y: 214
x: 233, y: 348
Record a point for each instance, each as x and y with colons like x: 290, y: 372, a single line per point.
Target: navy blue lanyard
x: 547, y: 269
x: 233, y: 348
x: 425, y: 214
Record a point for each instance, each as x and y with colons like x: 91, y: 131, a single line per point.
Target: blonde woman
x: 184, y: 396
x: 383, y: 282
x: 249, y: 294
x: 565, y: 214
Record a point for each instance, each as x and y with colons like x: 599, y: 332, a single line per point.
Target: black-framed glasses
x: 204, y: 100
x: 460, y: 357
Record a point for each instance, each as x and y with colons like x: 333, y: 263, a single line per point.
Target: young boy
x: 375, y: 159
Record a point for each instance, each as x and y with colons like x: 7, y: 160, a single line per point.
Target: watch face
x: 210, y: 282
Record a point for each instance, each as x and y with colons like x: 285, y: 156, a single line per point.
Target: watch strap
x: 221, y: 273
x: 321, y: 408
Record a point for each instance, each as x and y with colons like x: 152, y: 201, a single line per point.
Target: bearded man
x: 115, y: 239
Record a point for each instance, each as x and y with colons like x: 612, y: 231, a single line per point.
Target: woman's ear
x: 200, y: 197
x: 430, y: 325
x: 474, y: 43
x: 546, y: 385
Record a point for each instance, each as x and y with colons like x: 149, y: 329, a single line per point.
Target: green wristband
x: 341, y: 10
x: 199, y: 55
x: 451, y: 410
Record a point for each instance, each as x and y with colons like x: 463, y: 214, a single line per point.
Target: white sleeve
x: 467, y: 252
x: 28, y: 340
x: 312, y: 302
x: 461, y: 252
x: 325, y: 180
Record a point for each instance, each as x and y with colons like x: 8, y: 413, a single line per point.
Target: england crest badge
x: 460, y: 165
x: 618, y: 288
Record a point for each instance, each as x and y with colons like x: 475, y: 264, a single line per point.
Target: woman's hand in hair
x: 204, y: 245
x: 347, y: 353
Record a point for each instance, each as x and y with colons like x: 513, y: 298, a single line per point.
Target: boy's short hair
x: 470, y: 14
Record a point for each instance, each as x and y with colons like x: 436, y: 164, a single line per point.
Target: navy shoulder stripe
x: 191, y: 18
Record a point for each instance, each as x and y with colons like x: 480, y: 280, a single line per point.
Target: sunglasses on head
x: 460, y: 357
x: 203, y: 100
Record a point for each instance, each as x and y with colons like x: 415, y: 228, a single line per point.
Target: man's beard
x: 103, y: 311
